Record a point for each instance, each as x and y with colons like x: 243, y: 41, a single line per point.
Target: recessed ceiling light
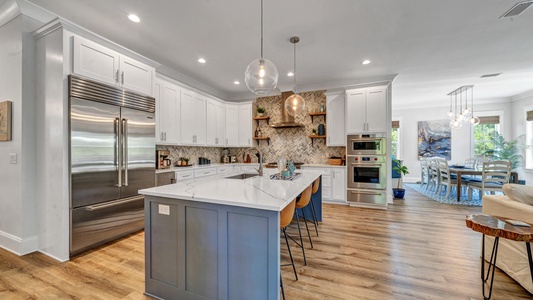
x: 290, y: 74
x: 236, y: 82
x: 201, y: 60
x: 134, y: 18
x: 365, y: 62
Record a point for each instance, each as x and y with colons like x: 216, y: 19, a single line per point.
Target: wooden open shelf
x: 314, y: 136
x: 315, y: 114
x: 257, y: 119
x: 263, y: 138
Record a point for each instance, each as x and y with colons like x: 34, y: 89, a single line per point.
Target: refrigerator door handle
x: 119, y: 152
x: 125, y: 148
x: 113, y: 203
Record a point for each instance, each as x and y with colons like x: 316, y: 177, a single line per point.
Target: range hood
x: 287, y: 121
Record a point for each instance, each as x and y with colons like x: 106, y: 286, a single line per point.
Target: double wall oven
x: 366, y: 162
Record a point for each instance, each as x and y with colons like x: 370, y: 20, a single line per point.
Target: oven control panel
x: 367, y: 159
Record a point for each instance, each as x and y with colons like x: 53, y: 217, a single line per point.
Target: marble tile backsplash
x: 291, y: 143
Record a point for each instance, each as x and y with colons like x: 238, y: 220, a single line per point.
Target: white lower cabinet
x: 333, y: 183
x: 184, y: 175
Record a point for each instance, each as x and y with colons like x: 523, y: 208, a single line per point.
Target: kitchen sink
x: 242, y: 176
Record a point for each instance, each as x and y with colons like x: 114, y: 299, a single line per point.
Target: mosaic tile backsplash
x: 291, y: 143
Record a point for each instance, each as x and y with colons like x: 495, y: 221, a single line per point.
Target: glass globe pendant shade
x: 261, y: 76
x: 474, y: 121
x: 295, y: 105
x: 450, y: 114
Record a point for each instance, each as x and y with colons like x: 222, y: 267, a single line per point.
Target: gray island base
x: 217, y: 238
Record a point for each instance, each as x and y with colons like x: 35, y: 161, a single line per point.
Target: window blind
x: 489, y: 120
x: 396, y: 124
x: 529, y: 115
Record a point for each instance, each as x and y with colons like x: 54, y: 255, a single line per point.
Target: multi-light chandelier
x: 458, y: 114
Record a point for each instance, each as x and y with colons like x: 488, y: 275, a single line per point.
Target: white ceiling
x: 434, y: 46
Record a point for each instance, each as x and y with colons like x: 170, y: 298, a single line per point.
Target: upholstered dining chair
x: 494, y: 175
x: 285, y: 218
x: 470, y: 163
x: 434, y: 173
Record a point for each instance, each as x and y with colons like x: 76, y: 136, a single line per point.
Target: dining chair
x: 424, y: 171
x: 446, y: 179
x: 434, y: 173
x: 470, y: 163
x: 285, y: 218
x: 493, y: 176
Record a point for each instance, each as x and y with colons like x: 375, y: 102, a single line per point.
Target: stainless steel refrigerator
x: 112, y: 146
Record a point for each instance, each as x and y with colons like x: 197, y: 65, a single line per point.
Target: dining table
x: 460, y: 171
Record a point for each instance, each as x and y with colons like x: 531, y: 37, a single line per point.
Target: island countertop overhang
x: 255, y: 192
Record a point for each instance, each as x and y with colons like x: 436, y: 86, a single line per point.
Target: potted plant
x: 314, y: 131
x: 260, y: 111
x: 398, y: 192
x: 510, y: 150
x: 185, y: 161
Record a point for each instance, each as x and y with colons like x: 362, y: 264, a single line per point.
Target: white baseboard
x: 17, y: 245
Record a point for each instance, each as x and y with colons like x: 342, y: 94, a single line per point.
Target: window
x: 484, y: 134
x: 395, y: 139
x: 529, y: 137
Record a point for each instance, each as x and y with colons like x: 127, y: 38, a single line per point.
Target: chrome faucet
x: 260, y: 169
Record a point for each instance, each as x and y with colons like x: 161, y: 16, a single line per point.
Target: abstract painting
x: 5, y: 121
x: 434, y: 139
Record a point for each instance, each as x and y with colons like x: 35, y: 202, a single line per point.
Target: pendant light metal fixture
x: 261, y: 75
x: 459, y: 115
x: 295, y: 104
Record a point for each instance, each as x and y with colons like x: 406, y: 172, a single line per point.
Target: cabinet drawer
x: 184, y: 175
x: 326, y: 181
x: 324, y: 170
x: 205, y: 172
x: 224, y: 170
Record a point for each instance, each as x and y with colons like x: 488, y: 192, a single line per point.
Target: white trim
x: 18, y: 245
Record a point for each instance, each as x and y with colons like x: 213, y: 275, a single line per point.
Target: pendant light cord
x: 294, y: 60
x: 261, y: 28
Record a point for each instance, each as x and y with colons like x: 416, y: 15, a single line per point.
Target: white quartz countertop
x: 255, y: 192
x: 199, y: 167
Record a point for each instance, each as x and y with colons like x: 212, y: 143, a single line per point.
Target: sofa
x: 516, y: 204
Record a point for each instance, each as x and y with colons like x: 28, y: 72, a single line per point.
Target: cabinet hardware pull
x: 122, y: 77
x: 116, y: 77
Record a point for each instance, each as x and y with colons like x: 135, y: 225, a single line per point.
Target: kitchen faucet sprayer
x: 260, y: 157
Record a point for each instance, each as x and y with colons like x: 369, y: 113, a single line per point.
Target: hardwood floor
x: 417, y: 249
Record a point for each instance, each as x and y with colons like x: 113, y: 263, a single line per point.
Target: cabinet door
x: 376, y: 110
x: 199, y: 120
x: 135, y: 76
x: 335, y: 120
x: 232, y: 125
x: 95, y: 61
x: 221, y: 124
x: 211, y: 123
x: 188, y: 119
x: 245, y: 125
x: 169, y: 114
x: 158, y: 112
x: 355, y: 111
x: 338, y: 188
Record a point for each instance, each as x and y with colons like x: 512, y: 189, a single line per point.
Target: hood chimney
x: 287, y: 121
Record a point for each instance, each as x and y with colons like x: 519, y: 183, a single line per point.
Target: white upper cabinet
x: 232, y: 125
x: 245, y: 125
x: 167, y: 112
x: 216, y: 123
x: 366, y: 110
x: 98, y: 62
x: 193, y: 118
x: 335, y: 119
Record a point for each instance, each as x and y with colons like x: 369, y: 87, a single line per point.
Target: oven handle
x: 369, y: 165
x: 367, y: 193
x: 366, y: 140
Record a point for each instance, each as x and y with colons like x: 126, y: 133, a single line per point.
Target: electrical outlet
x: 164, y: 209
x: 13, y: 158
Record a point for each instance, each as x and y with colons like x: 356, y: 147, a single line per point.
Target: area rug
x: 441, y: 197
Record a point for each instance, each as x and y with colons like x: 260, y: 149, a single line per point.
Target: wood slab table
x: 498, y: 227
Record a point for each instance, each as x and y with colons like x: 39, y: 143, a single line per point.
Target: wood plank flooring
x: 417, y: 249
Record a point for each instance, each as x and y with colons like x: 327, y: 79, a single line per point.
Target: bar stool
x: 316, y: 185
x: 285, y: 218
x: 302, y: 202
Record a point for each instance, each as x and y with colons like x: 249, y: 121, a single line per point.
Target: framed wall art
x: 434, y: 139
x: 5, y: 121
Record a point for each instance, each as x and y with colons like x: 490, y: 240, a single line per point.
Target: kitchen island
x: 217, y: 237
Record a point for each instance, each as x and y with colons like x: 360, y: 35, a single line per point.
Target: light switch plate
x: 13, y: 158
x: 164, y: 209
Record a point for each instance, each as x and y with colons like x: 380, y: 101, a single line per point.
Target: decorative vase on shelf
x: 321, y: 129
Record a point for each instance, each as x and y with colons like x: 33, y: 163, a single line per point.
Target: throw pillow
x: 518, y: 192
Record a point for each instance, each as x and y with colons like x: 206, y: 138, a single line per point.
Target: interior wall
x: 462, y: 146
x: 18, y: 225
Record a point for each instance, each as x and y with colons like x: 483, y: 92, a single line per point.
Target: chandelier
x: 462, y: 115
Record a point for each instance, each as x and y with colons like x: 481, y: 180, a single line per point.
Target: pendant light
x: 261, y: 76
x: 295, y: 104
x: 460, y: 116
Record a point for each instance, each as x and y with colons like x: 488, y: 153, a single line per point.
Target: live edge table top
x: 497, y: 227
